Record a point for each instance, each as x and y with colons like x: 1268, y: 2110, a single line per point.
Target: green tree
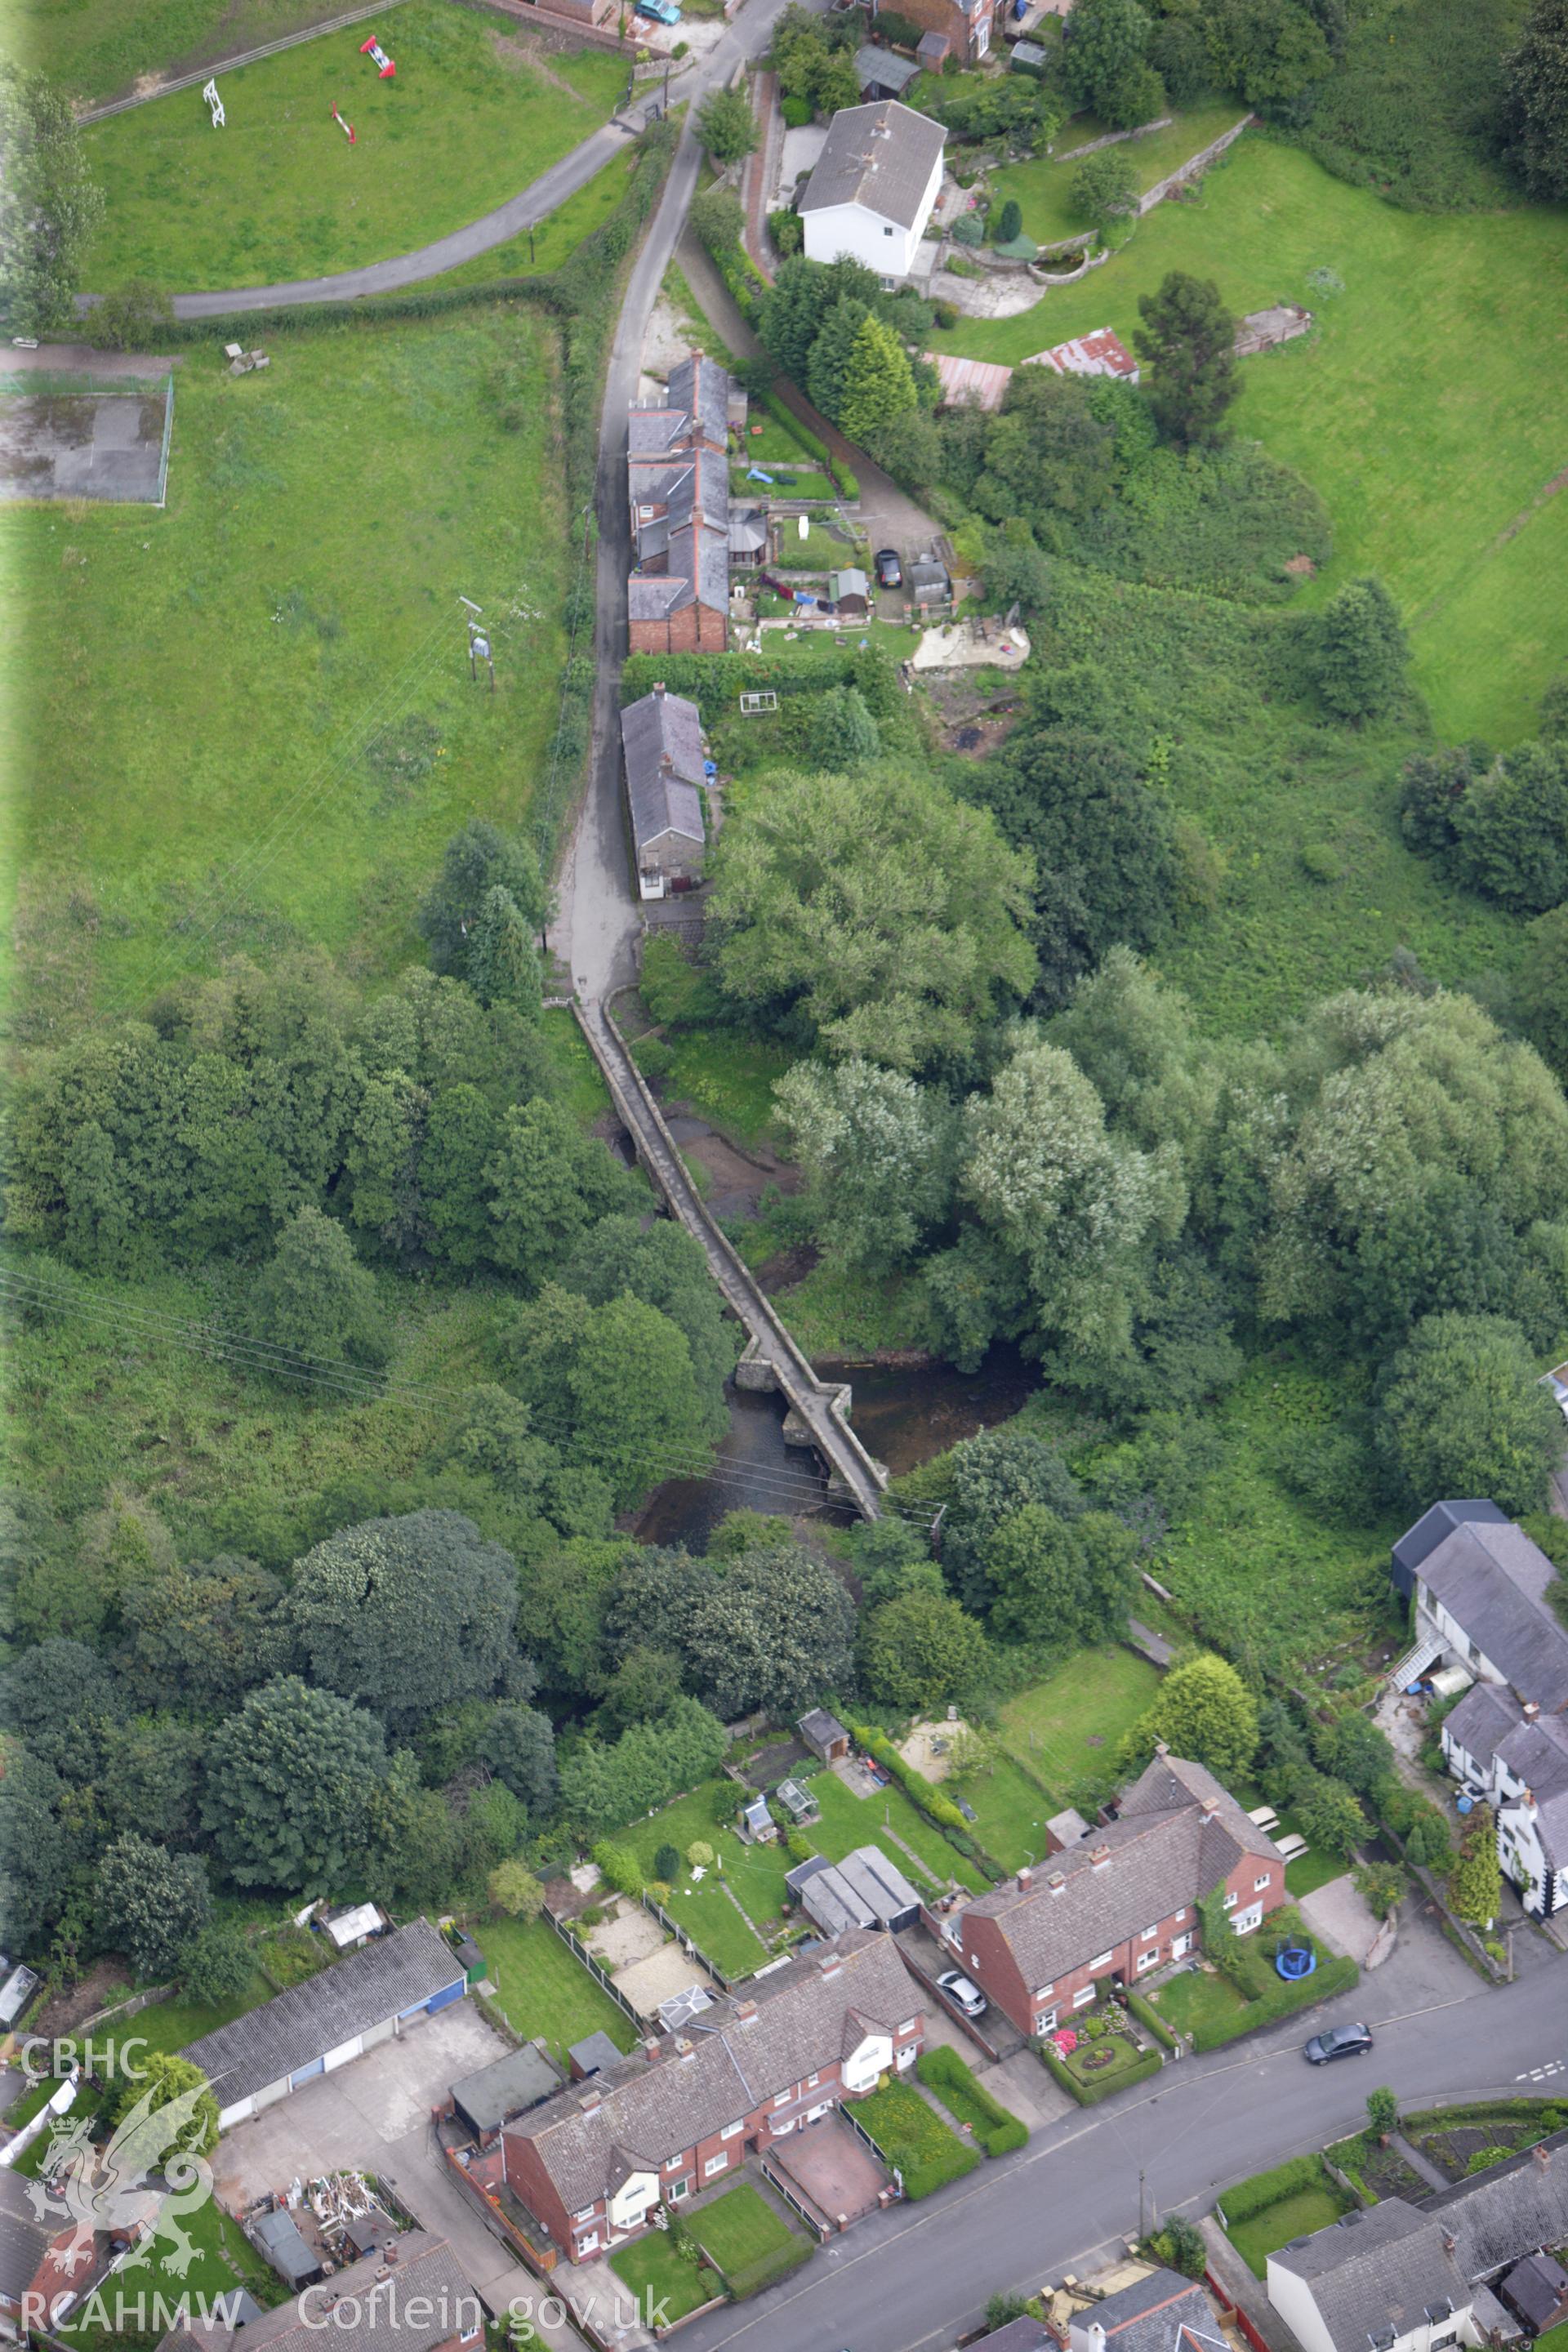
x: 604, y: 1788
x: 719, y: 220
x: 1382, y: 2113
x: 291, y: 1783
x: 1475, y: 1883
x: 201, y: 1636
x: 39, y: 1854
x: 1509, y: 830
x: 519, y: 1746
x: 665, y: 1267
x: 1015, y: 572
x: 1206, y: 1713
x: 150, y: 1903
x: 1060, y: 1581
x: 1009, y: 222
x: 216, y: 1966
x: 479, y: 858
x: 459, y: 1143
x: 842, y: 734
x: 1105, y: 187
x: 495, y: 1437
x: 639, y: 1691
x: 503, y: 957
x: 167, y: 2080
x: 613, y: 1386
x: 1462, y: 1411
x: 1103, y: 39
x: 878, y: 1152
x: 994, y: 1476
x: 1540, y: 995
x: 132, y: 316
x: 49, y: 205
x: 1330, y: 1814
x: 895, y: 947
x: 1361, y: 651
x: 832, y: 350
x: 548, y: 1184
x: 923, y: 1650
x: 1188, y: 337
x: 775, y: 1634
x: 1536, y: 107
x: 1381, y: 1886
x: 726, y: 125
x: 791, y: 313
x: 514, y: 1891
x: 407, y: 1614
x: 315, y: 1300
x: 1182, y: 2244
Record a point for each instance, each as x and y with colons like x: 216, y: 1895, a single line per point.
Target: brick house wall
x: 694, y: 629
x: 970, y: 36
x: 585, y: 2233
x: 1258, y: 1887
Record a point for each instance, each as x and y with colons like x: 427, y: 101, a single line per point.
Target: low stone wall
x: 1111, y: 138
x: 1192, y: 166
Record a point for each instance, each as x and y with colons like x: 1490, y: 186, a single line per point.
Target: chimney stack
x: 1026, y: 1878
x: 1057, y: 1881
x: 830, y: 1966
x: 684, y: 2049
x: 658, y: 690
x: 746, y: 2012
x: 651, y: 2047
x: 1530, y: 1709
x: 1541, y: 2153
x: 591, y: 2100
x: 1099, y: 1856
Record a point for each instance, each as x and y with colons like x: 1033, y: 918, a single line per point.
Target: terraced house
x: 592, y: 2165
x: 677, y: 485
x: 1121, y: 1903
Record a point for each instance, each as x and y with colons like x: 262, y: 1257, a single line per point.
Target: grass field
x: 543, y: 1989
x: 728, y: 1078
x: 265, y: 682
x: 471, y: 116
x: 556, y: 235
x: 1043, y: 186
x: 97, y: 49
x: 1068, y: 1725
x: 1295, y: 2216
x: 1424, y: 410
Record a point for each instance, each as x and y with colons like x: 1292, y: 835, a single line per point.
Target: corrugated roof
x: 1100, y: 354
x: 396, y: 1973
x: 880, y: 157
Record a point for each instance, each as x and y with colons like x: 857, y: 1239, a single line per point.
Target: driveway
x: 1339, y: 1914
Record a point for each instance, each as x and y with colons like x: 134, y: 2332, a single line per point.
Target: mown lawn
x: 703, y: 1908
x: 740, y: 2228
x: 665, y: 2288
x: 849, y: 1821
x: 557, y: 235
x: 1196, y: 1999
x: 1043, y: 186
x: 471, y: 116
x: 1424, y: 410
x: 543, y: 1990
x: 1010, y: 1811
x: 248, y: 719
x: 96, y: 49
x: 1295, y: 2216
x: 1068, y: 1725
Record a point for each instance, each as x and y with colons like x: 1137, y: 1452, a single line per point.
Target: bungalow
x: 1109, y: 1910
x: 312, y: 2028
x: 594, y: 2163
x: 873, y: 187
x: 1479, y: 1590
x: 1402, y: 2278
x: 661, y: 746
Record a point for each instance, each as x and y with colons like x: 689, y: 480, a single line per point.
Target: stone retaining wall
x: 1111, y: 138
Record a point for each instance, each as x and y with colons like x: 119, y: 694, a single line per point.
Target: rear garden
x: 1043, y: 186
x: 223, y: 2261
x: 1067, y: 1727
x: 544, y: 1991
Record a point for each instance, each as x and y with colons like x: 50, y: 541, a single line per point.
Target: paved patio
x: 832, y: 2169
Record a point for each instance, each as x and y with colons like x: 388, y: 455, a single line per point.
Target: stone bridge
x: 818, y: 1410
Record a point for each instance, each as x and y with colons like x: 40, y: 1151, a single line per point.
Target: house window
x: 1147, y: 1935
x: 677, y: 2190
x: 1229, y: 1903
x: 887, y: 232
x: 1044, y: 1992
x: 1043, y: 2024
x: 1147, y: 1960
x: 1103, y: 1962
x: 585, y: 2215
x: 1261, y: 1885
x: 783, y: 2099
x: 720, y: 2163
x: 1079, y: 1999
x: 812, y: 2081
x: 1178, y: 1917
x: 911, y: 2026
x: 731, y: 2131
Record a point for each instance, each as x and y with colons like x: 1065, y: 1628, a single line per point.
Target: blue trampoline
x: 1293, y: 1961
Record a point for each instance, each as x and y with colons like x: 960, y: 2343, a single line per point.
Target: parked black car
x: 1339, y: 2041
x: 890, y: 571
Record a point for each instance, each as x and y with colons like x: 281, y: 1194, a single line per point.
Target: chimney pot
x: 658, y: 689
x: 746, y: 2012
x: 651, y: 2047
x: 1211, y: 1804
x: 1099, y: 1855
x: 1057, y: 1881
x: 1530, y: 1709
x: 1541, y: 2153
x: 684, y: 2049
x: 1161, y: 1748
x: 1025, y: 1877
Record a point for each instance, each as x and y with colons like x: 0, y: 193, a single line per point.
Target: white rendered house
x: 876, y: 182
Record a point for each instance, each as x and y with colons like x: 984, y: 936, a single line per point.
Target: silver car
x: 963, y: 1994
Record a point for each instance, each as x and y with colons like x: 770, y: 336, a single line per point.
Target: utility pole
x: 1143, y: 2232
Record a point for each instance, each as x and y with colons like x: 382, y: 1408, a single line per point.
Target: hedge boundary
x: 1333, y: 1977
x: 1090, y: 2094
x: 1147, y: 2014
x: 955, y: 2084
x: 1260, y: 2189
x: 751, y: 2278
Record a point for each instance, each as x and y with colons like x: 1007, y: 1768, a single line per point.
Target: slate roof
x: 691, y: 482
x: 1429, y: 1531
x: 1374, y: 2272
x: 818, y: 1729
x: 928, y: 580
x: 653, y: 596
x: 656, y: 728
x: 808, y: 2015
x: 424, y: 2299
x: 24, y: 2239
x: 882, y: 68
x: 879, y: 157
x: 280, y: 2238
x: 1154, y: 2315
x: 594, y: 2052
x: 1490, y: 1722
x: 1493, y: 1581
x: 1538, y: 2287
x: 1509, y: 2212
x: 1165, y: 1852
x: 506, y: 2087
x: 1023, y: 2334
x: 394, y: 1973
x: 700, y: 388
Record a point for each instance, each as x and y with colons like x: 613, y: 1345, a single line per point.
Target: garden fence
x: 596, y: 1968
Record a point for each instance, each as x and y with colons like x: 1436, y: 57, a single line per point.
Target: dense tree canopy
x: 292, y: 1780
x: 49, y: 205
x: 152, y: 1902
x: 614, y: 1386
x: 1206, y: 1713
x: 1188, y: 337
x: 1462, y: 1411
x: 922, y: 1651
x: 771, y: 1627
x: 879, y: 1152
x: 1537, y: 106
x: 408, y: 1614
x: 873, y: 913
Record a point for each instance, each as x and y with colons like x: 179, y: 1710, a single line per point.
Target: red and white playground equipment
x: 346, y: 128
x: 373, y: 50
